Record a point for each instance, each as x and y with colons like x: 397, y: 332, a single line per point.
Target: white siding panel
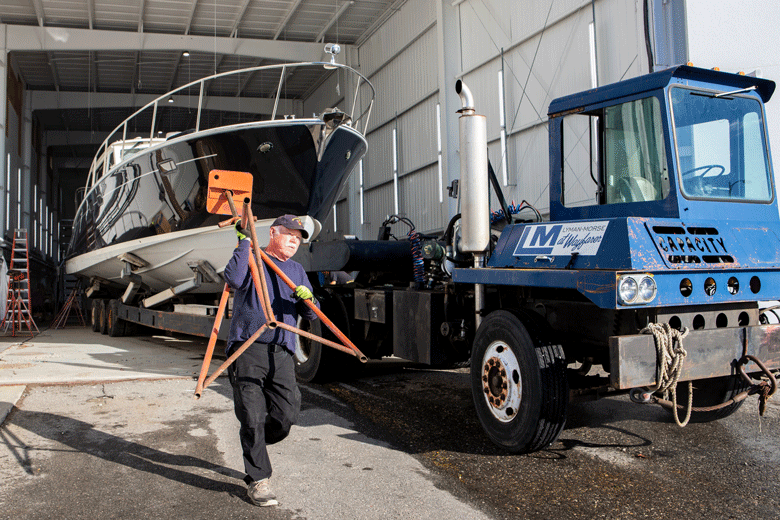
x: 342, y: 217
x: 378, y: 164
x: 328, y: 95
x: 561, y: 67
x: 528, y: 167
x: 485, y: 30
x: 403, y: 27
x: 619, y: 21
x: 410, y: 77
x: 490, y: 25
x: 378, y: 206
x: 529, y: 16
x: 418, y: 199
x: 417, y: 136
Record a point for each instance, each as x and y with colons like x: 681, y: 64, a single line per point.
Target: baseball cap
x: 291, y: 222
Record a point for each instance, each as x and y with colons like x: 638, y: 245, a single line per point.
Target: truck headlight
x: 627, y: 289
x: 647, y: 289
x: 636, y: 289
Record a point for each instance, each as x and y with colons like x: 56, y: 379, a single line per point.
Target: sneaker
x: 260, y: 493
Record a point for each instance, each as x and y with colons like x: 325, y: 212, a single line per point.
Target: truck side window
x: 615, y: 155
x: 580, y: 160
x: 635, y: 168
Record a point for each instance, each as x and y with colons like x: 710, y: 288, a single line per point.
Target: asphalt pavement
x: 100, y: 427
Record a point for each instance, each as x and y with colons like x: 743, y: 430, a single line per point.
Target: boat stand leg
x: 212, y: 341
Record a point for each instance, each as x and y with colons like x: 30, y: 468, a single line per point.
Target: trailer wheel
x: 95, y: 315
x: 114, y: 325
x: 518, y: 381
x: 711, y: 392
x: 103, y: 313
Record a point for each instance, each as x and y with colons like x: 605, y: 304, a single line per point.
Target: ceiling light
x: 186, y: 54
x: 170, y: 99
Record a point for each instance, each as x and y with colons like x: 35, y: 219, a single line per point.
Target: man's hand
x: 303, y: 293
x: 239, y: 231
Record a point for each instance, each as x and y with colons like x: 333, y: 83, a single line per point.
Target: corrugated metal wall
x: 544, y: 50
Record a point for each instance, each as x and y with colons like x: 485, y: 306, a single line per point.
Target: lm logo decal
x: 561, y: 239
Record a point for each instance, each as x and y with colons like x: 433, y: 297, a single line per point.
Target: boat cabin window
x: 721, y: 146
x: 615, y: 155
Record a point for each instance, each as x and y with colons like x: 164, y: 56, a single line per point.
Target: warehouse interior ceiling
x: 92, y: 63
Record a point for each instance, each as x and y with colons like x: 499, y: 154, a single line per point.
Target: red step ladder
x: 18, y: 312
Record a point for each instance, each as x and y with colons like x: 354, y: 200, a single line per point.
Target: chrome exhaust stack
x: 474, y: 188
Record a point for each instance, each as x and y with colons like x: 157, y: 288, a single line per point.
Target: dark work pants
x: 267, y: 402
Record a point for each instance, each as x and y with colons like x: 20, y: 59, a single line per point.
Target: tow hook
x: 764, y: 389
x: 641, y: 395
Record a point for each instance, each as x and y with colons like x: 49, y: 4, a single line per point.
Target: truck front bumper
x: 710, y: 353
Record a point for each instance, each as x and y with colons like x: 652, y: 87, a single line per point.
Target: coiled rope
x: 670, y: 355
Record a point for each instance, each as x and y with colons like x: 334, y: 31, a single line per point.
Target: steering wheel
x: 695, y: 185
x: 706, y: 168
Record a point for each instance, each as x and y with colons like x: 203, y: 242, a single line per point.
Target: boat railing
x: 119, y: 136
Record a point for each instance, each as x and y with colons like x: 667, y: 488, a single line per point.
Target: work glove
x: 303, y: 293
x: 239, y: 231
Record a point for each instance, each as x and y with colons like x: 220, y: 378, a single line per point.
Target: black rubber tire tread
x: 309, y: 370
x: 326, y: 364
x: 115, y: 326
x: 710, y: 392
x: 542, y: 414
x: 94, y: 315
x: 103, y: 313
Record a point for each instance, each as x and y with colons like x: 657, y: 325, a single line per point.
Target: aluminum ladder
x: 18, y: 311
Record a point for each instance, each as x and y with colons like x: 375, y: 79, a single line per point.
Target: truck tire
x: 308, y: 353
x: 315, y: 362
x: 518, y: 381
x: 95, y: 315
x: 711, y: 392
x: 114, y: 325
x: 103, y: 312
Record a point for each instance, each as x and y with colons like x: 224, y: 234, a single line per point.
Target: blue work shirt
x: 248, y: 314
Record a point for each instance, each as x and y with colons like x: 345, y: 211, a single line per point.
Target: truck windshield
x: 721, y: 146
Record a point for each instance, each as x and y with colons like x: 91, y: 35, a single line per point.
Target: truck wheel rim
x: 302, y: 347
x: 502, y: 384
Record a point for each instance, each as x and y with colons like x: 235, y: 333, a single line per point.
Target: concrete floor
x: 103, y: 427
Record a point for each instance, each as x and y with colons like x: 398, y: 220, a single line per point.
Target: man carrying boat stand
x: 265, y: 394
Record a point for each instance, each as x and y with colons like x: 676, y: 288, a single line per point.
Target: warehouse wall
x: 544, y: 50
x: 400, y: 174
x: 28, y: 194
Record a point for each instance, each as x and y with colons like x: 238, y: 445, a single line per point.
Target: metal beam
x: 38, y: 11
x: 175, y: 70
x: 333, y: 20
x: 91, y: 12
x: 189, y: 18
x: 135, y: 74
x: 379, y: 22
x: 26, y: 38
x: 239, y: 17
x: 48, y: 100
x: 141, y: 17
x: 286, y: 18
x: 53, y: 71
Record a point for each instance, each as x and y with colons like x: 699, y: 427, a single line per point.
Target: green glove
x: 239, y: 229
x: 303, y: 293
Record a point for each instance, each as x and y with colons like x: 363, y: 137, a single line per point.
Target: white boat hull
x: 168, y: 257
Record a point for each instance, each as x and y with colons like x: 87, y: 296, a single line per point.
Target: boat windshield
x: 721, y: 145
